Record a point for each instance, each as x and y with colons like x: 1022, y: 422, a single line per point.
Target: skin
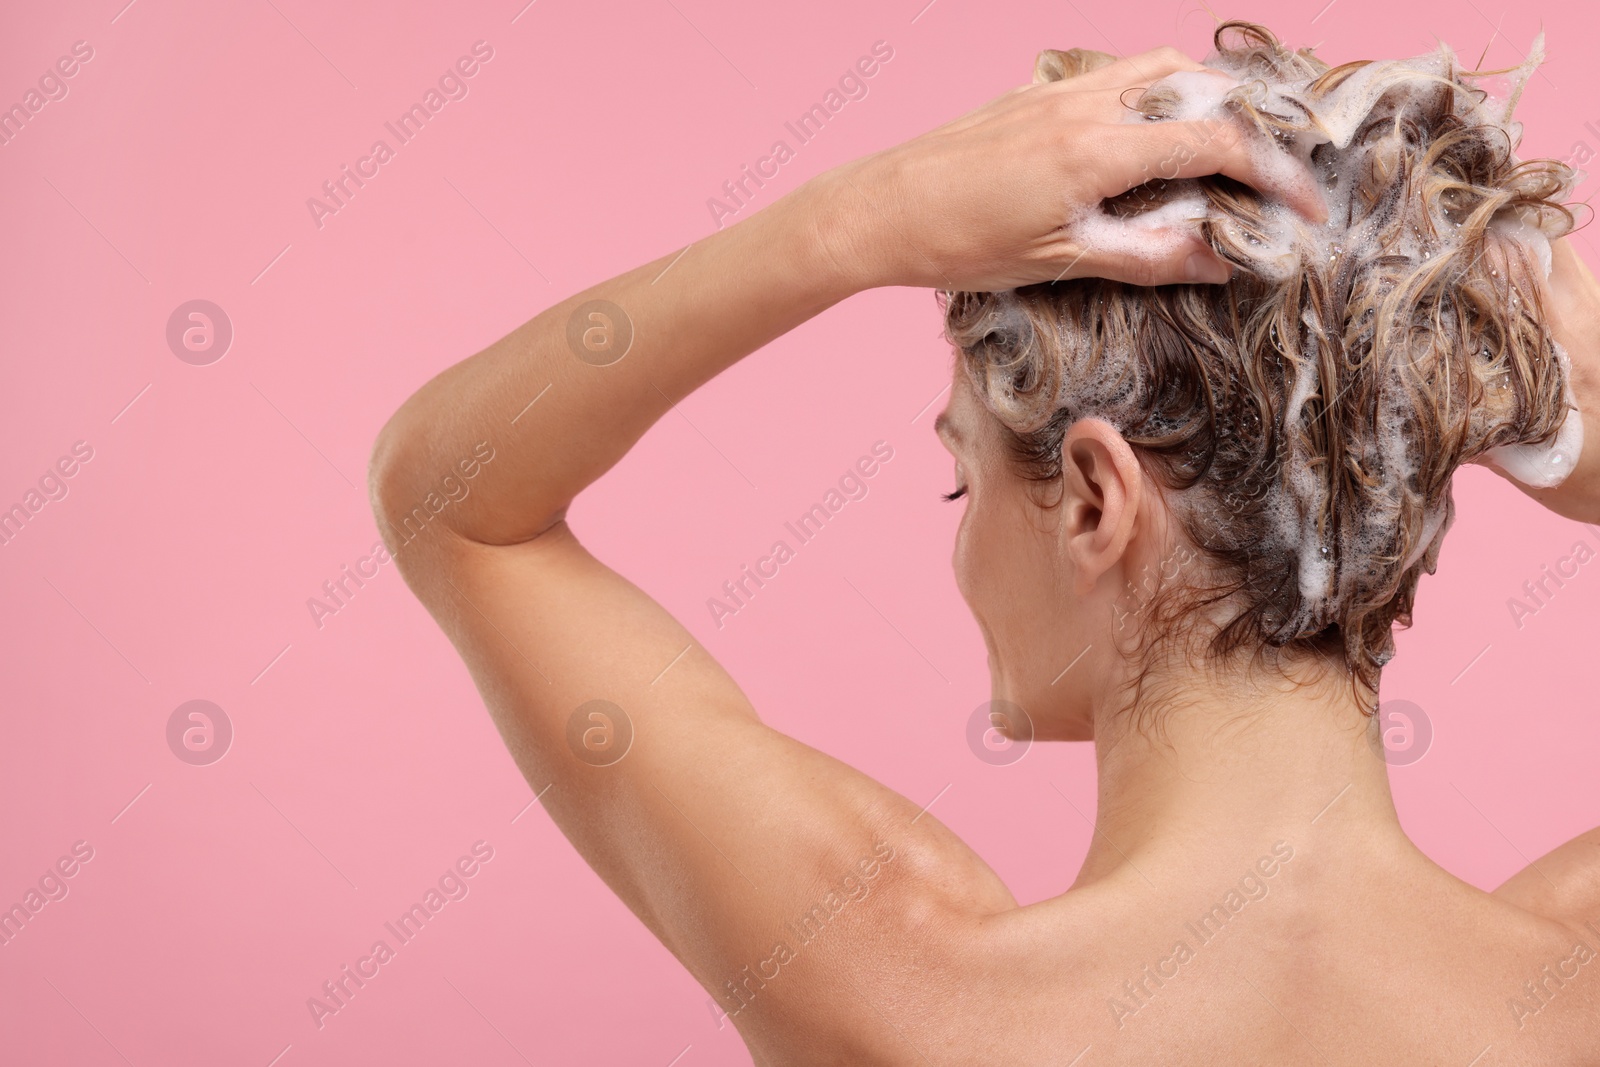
x: 718, y: 831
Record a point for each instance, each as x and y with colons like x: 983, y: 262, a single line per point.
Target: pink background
x: 179, y: 565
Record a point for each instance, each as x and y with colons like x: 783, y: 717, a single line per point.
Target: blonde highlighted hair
x: 1306, y: 417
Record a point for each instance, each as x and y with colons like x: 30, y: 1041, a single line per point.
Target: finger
x: 1566, y: 265
x: 1143, y: 68
x: 1217, y: 145
x: 1126, y: 250
x: 1118, y: 82
x: 1571, y: 294
x: 1087, y: 103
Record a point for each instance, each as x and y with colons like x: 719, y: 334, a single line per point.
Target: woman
x: 1219, y: 492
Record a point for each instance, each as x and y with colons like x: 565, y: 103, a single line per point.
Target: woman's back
x: 1247, y: 898
x: 1344, y: 959
x: 1339, y: 956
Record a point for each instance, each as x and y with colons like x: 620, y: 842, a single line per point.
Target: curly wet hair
x: 1308, y: 415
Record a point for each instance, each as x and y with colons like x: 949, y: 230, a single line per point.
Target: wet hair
x: 1304, y: 419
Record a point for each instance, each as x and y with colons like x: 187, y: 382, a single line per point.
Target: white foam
x: 1105, y: 384
x: 1547, y: 465
x: 1154, y: 234
x: 1542, y: 466
x: 1430, y: 530
x: 1535, y: 465
x: 1516, y: 229
x: 1338, y: 116
x: 1200, y: 94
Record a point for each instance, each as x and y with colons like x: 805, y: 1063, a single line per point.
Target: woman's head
x: 1272, y: 456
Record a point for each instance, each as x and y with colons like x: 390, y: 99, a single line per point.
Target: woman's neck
x: 1232, y: 769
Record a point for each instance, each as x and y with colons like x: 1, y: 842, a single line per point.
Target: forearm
x: 691, y: 317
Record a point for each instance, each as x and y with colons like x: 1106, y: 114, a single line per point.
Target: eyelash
x: 957, y: 495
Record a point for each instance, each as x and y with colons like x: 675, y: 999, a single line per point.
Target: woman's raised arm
x: 729, y: 840
x: 599, y: 368
x: 976, y: 204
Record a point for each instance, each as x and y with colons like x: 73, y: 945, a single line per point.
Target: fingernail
x: 1200, y: 267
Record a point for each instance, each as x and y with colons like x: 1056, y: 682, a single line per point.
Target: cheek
x: 961, y: 558
x: 979, y: 549
x: 1005, y: 565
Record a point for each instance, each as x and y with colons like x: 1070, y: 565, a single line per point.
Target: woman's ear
x: 1102, y: 492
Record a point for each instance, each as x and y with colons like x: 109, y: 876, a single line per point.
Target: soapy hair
x: 1306, y: 416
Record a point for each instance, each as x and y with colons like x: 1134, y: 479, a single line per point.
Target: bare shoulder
x: 1563, y: 884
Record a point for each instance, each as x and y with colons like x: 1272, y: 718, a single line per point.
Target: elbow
x: 391, y: 480
x: 418, y: 484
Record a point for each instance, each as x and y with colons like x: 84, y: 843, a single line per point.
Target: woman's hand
x: 981, y: 203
